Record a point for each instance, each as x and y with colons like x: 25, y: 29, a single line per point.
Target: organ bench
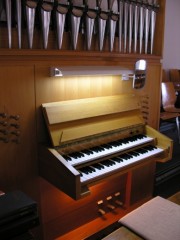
x: 156, y: 219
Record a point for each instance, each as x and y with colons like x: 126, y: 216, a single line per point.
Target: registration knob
x: 110, y: 205
x: 3, y: 123
x: 5, y: 140
x: 5, y: 132
x: 16, y: 133
x: 101, y: 211
x: 3, y: 115
x: 15, y: 125
x: 15, y: 117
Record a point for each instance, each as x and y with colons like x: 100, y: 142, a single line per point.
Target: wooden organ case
x: 103, y: 155
x: 25, y: 65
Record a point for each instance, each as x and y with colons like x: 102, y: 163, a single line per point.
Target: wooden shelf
x: 77, y: 57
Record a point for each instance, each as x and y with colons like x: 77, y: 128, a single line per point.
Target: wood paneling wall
x: 17, y: 98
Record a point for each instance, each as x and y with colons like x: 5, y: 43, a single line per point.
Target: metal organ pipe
x: 147, y: 25
x: 153, y: 21
x: 126, y: 11
x: 120, y: 29
x: 76, y: 14
x: 102, y: 19
x: 30, y: 18
x: 112, y: 23
x: 136, y: 25
x: 90, y: 16
x: 131, y: 13
x: 141, y: 27
x: 9, y: 20
x: 19, y: 21
x: 46, y: 8
x: 61, y: 11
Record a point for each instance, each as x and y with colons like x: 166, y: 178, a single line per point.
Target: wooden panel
x: 18, y: 161
x: 74, y: 119
x: 159, y: 29
x: 60, y: 135
x: 17, y: 98
x: 162, y: 141
x: 152, y: 95
x: 66, y: 215
x: 60, y: 173
x: 66, y: 111
x: 142, y: 182
x: 18, y: 165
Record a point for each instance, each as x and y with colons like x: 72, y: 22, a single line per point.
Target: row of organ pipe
x: 131, y: 21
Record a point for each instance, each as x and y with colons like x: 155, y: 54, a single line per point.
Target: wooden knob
x: 15, y: 117
x: 110, y: 206
x: 118, y: 202
x: 101, y: 211
x: 3, y: 115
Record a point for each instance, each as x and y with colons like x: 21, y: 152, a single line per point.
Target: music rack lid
x: 76, y: 119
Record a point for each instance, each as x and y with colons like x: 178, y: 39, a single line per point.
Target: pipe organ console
x: 99, y: 161
x: 101, y: 151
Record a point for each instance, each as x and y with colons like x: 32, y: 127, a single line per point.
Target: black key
x: 117, y: 159
x: 67, y: 158
x: 125, y: 156
x: 134, y: 153
x: 97, y: 166
x: 150, y: 147
x: 76, y: 155
x: 87, y: 170
x: 107, y: 163
x: 106, y: 146
x: 142, y: 150
x: 97, y: 149
x: 87, y: 151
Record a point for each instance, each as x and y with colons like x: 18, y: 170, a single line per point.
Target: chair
x: 169, y: 98
x: 174, y: 75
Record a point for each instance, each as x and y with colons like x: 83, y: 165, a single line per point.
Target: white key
x: 106, y: 152
x: 117, y: 166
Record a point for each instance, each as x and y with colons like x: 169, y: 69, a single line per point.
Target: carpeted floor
x: 175, y: 198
